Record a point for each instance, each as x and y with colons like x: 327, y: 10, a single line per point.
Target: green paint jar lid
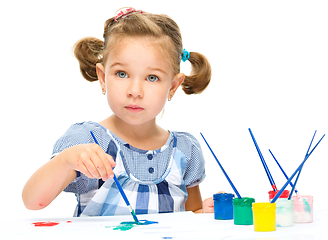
x: 245, y: 201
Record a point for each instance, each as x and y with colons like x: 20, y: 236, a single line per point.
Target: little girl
x: 138, y: 67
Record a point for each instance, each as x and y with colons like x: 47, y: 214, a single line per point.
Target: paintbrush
x: 120, y: 189
x: 299, y: 172
x: 282, y: 170
x: 263, y: 162
x: 225, y: 174
x: 296, y: 171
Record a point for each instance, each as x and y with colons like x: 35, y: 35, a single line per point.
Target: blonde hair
x: 89, y: 51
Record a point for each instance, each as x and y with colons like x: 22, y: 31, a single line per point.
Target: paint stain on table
x: 45, y: 224
x: 124, y: 226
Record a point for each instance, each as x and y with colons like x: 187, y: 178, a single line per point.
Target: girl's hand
x: 208, y: 204
x: 90, y: 160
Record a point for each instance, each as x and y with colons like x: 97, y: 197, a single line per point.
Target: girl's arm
x: 46, y: 183
x: 54, y: 176
x: 194, y: 202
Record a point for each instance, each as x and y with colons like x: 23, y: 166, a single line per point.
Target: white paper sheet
x: 184, y: 225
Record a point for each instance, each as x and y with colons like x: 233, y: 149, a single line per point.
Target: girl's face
x: 138, y: 79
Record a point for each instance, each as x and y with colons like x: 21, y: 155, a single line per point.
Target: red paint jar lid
x: 285, y: 194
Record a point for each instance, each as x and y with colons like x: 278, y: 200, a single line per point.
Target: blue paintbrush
x: 282, y: 170
x: 225, y: 174
x: 120, y: 189
x: 273, y: 185
x: 297, y: 170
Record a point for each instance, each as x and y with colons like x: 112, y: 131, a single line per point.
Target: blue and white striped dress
x: 153, y: 181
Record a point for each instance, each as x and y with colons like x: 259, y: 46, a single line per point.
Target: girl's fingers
x: 92, y: 168
x: 111, y: 160
x: 91, y: 161
x: 81, y: 167
x: 109, y: 164
x: 95, y: 163
x: 103, y: 163
x: 87, y: 172
x: 105, y: 166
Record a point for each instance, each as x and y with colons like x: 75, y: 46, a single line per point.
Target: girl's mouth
x: 134, y: 108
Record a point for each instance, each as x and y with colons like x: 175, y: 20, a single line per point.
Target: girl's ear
x: 177, y: 81
x: 101, y: 76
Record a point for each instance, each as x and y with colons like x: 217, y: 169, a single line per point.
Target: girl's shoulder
x: 85, y: 128
x: 188, y: 144
x: 195, y: 164
x: 186, y: 138
x: 79, y: 133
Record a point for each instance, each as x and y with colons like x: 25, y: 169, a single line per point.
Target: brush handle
x: 306, y: 155
x: 225, y: 174
x: 288, y: 181
x: 298, y: 169
x: 273, y: 185
x: 121, y: 191
x: 307, y: 152
x: 298, y: 175
x: 282, y: 170
x: 120, y: 188
x: 125, y: 199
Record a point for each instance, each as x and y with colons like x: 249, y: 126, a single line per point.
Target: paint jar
x: 303, y: 209
x: 284, y: 212
x: 264, y: 216
x: 284, y: 194
x: 223, y: 209
x: 242, y: 211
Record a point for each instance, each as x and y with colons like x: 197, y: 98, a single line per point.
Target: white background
x: 269, y: 61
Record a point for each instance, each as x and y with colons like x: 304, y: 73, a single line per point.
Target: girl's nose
x: 135, y: 88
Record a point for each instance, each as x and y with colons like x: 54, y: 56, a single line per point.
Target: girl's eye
x: 121, y: 74
x: 152, y: 78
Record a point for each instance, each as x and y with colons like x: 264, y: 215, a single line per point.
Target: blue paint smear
x: 307, y: 207
x: 124, y: 226
x: 141, y: 222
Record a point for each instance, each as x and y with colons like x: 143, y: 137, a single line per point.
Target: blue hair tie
x: 185, y: 55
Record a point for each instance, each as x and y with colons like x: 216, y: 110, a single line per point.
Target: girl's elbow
x: 32, y: 204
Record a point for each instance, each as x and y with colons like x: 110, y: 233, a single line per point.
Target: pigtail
x: 88, y: 52
x: 200, y: 74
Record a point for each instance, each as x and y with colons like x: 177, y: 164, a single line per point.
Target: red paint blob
x: 69, y: 221
x: 45, y: 224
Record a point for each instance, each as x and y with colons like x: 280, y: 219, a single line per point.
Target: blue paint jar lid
x: 223, y: 196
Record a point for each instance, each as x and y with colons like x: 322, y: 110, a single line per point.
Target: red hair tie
x: 124, y: 12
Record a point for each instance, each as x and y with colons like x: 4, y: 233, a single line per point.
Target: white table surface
x: 186, y: 225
